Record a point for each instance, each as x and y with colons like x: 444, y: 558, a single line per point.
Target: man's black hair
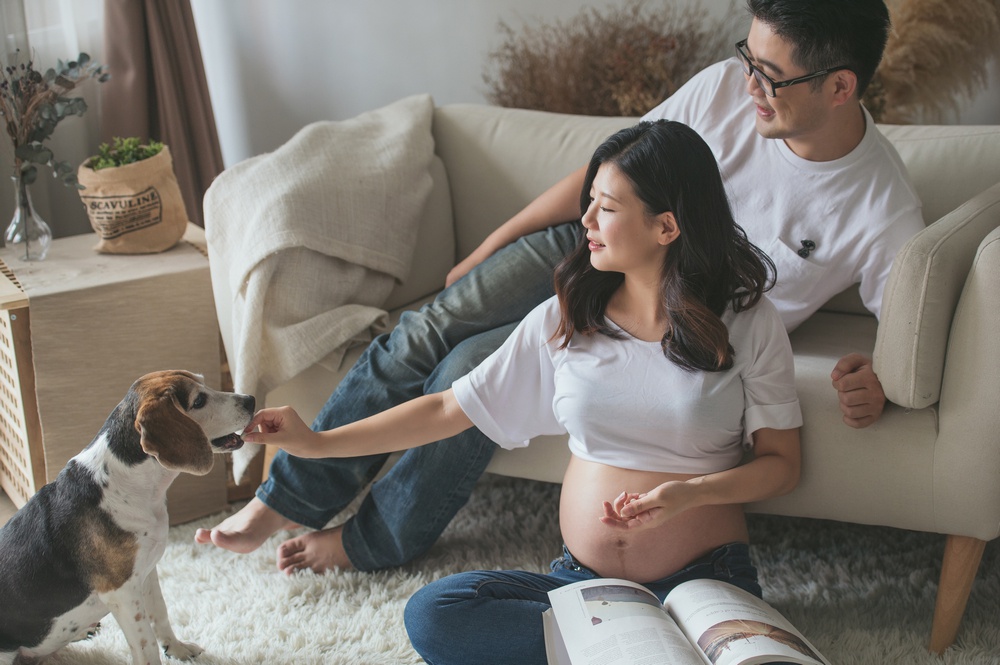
x: 829, y: 33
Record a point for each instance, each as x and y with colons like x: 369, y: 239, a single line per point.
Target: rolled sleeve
x: 509, y: 395
x: 770, y: 398
x: 480, y: 415
x: 772, y: 416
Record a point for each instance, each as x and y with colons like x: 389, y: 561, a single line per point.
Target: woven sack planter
x: 136, y: 208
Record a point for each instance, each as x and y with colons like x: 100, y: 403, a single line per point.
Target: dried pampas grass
x: 625, y: 60
x: 615, y: 61
x: 938, y: 52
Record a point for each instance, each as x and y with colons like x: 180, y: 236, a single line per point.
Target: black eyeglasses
x: 766, y: 83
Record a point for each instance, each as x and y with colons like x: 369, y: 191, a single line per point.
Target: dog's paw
x: 87, y: 633
x: 182, y: 650
x: 22, y: 660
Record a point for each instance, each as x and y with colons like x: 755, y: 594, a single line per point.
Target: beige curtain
x: 158, y: 89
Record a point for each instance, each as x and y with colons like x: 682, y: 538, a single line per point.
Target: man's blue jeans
x: 409, y: 507
x: 495, y: 616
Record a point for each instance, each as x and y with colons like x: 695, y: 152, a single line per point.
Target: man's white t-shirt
x: 623, y: 403
x: 858, y: 210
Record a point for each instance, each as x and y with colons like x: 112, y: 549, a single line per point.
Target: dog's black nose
x: 249, y: 403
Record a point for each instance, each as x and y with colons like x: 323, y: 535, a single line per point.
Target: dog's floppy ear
x: 168, y: 434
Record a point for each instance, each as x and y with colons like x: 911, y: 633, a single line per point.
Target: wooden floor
x: 7, y: 508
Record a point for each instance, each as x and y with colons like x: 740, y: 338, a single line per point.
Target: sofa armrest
x: 967, y: 452
x: 920, y: 298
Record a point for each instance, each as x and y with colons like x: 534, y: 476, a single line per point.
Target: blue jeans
x: 409, y: 507
x: 495, y: 616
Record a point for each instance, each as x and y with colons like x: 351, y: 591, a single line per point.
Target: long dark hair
x: 710, y: 266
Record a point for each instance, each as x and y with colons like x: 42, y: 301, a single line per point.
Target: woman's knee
x: 430, y: 617
x: 455, y: 619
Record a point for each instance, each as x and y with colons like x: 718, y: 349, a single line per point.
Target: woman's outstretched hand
x: 284, y: 428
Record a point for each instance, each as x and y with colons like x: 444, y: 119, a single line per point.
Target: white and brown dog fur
x: 88, y: 542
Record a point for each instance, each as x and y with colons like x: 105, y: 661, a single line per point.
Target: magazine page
x: 616, y: 622
x: 555, y: 648
x: 734, y: 627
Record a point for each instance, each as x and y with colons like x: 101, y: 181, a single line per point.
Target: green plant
x: 616, y: 61
x: 32, y: 104
x: 122, y: 152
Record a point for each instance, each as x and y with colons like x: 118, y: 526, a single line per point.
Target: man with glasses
x: 766, y: 83
x: 811, y: 180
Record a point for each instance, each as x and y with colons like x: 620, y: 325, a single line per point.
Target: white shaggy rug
x: 862, y: 595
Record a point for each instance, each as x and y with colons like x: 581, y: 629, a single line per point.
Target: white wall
x: 274, y: 66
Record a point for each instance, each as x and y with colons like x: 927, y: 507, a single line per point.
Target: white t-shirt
x: 623, y: 403
x: 858, y: 210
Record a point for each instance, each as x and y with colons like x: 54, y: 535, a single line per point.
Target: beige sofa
x: 932, y: 463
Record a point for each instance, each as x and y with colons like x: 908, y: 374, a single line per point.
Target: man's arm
x: 862, y: 398
x: 559, y: 203
x: 859, y: 389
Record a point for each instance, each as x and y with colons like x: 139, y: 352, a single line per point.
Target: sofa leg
x: 958, y: 570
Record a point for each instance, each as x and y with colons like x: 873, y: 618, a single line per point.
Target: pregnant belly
x: 640, y: 555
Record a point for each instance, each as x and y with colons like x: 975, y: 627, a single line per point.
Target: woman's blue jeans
x: 495, y: 616
x: 409, y: 507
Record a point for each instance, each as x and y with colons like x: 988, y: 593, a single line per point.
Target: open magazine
x: 612, y: 622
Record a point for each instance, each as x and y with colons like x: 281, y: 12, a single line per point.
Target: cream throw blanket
x: 316, y: 250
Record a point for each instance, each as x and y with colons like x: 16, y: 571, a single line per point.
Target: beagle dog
x: 88, y: 542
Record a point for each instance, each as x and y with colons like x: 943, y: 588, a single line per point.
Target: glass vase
x: 28, y: 237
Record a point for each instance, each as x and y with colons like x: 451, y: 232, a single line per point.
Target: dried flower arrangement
x: 625, y: 61
x: 617, y: 61
x: 33, y: 103
x: 938, y: 50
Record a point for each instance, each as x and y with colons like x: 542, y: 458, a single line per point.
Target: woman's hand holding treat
x: 284, y: 428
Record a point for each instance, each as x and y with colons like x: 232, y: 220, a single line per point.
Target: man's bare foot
x: 246, y: 530
x: 319, y: 551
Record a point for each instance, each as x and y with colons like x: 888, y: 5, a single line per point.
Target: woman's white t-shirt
x: 623, y: 403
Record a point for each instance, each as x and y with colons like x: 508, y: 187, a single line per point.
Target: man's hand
x: 485, y: 250
x: 861, y: 396
x: 462, y: 268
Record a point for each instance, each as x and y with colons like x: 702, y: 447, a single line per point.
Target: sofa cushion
x: 948, y: 164
x: 434, y: 253
x: 481, y: 145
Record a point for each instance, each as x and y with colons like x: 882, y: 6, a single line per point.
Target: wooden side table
x: 76, y: 330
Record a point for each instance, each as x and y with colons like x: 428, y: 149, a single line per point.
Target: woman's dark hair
x: 710, y: 266
x: 829, y: 33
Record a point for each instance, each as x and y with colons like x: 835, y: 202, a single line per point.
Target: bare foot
x: 319, y: 551
x: 246, y: 530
